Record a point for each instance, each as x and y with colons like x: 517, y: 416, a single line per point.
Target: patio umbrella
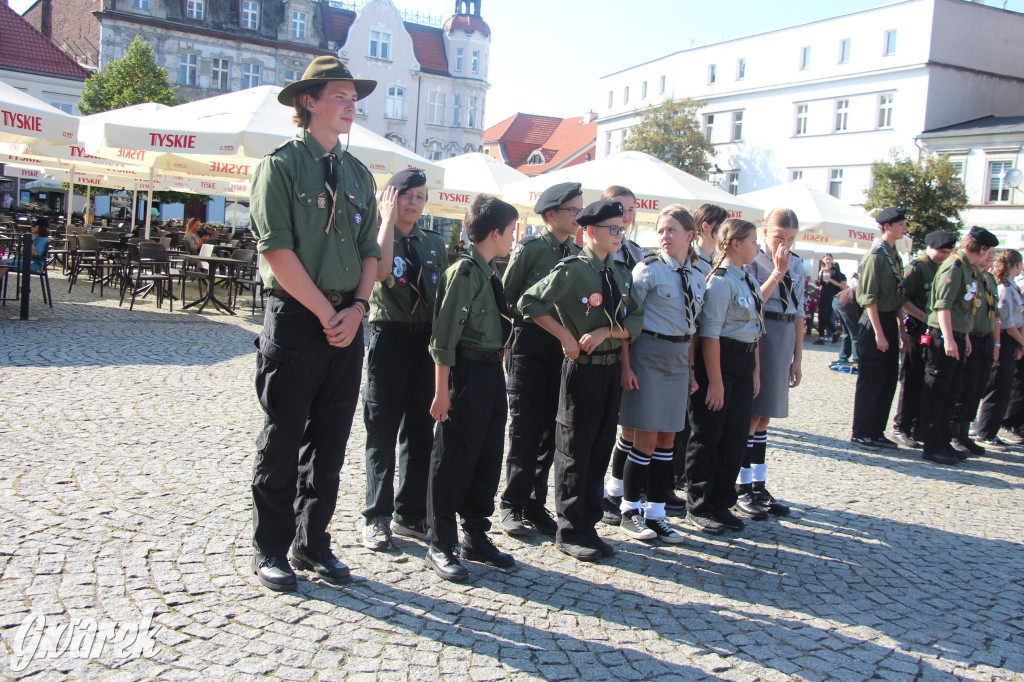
x: 25, y: 119
x: 465, y: 178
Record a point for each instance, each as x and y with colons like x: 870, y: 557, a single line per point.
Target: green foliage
x: 929, y: 189
x: 133, y: 79
x: 672, y: 133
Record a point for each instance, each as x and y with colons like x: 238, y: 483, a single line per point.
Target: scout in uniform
x: 1000, y: 379
x: 472, y: 324
x: 534, y: 364
x: 400, y: 372
x: 779, y: 273
x: 953, y: 304
x: 656, y: 374
x: 315, y: 217
x: 587, y: 303
x: 727, y: 381
x: 880, y: 294
x: 630, y: 253
x: 917, y: 286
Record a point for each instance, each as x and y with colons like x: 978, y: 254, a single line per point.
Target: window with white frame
x: 611, y: 98
x: 741, y: 68
x: 998, y: 190
x: 219, y: 71
x: 187, y: 67
x: 459, y: 54
x: 299, y: 25
x: 732, y: 182
x: 712, y: 73
x: 625, y: 95
x: 885, y: 110
x: 737, y: 126
x: 250, y: 75
x: 661, y: 86
x: 251, y: 15
x: 643, y: 90
x: 140, y: 4
x: 474, y: 61
x: 380, y: 45
x: 436, y: 107
x: 805, y: 57
x: 435, y: 150
x: 607, y: 143
x: 394, y: 106
x: 474, y: 114
x: 890, y: 43
x: 959, y: 163
x: 844, y: 50
x: 709, y: 126
x: 457, y: 111
x: 289, y: 76
x: 195, y: 9
x: 796, y: 175
x: 362, y: 106
x: 63, y: 106
x: 842, y: 114
x: 835, y: 183
x: 395, y: 137
x: 801, y: 119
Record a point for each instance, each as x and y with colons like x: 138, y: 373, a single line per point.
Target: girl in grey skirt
x: 657, y: 375
x: 780, y: 274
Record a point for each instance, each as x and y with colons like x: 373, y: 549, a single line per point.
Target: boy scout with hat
x: 588, y: 304
x: 534, y: 365
x: 880, y: 294
x: 917, y: 286
x: 315, y: 217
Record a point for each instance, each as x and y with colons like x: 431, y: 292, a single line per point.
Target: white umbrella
x: 465, y: 178
x: 25, y: 119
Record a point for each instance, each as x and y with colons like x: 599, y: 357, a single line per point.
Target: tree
x: 133, y: 79
x: 929, y: 189
x: 671, y: 132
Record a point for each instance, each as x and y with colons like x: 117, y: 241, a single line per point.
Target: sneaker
x: 994, y: 442
x: 705, y: 524
x: 885, y: 443
x: 665, y: 532
x: 377, y: 535
x: 610, y: 506
x: 512, y: 521
x: 907, y: 440
x: 767, y: 502
x: 728, y: 519
x: 634, y: 526
x: 864, y: 443
x: 416, y: 529
x: 674, y: 503
x: 1011, y: 437
x: 541, y: 518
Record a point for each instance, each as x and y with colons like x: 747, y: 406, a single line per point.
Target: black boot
x: 274, y: 572
x: 477, y: 546
x: 962, y: 442
x: 747, y: 504
x: 765, y: 499
x: 444, y: 562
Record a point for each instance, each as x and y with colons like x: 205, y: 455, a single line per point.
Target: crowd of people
x: 628, y: 375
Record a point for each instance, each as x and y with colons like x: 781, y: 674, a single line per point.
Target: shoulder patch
x: 279, y: 147
x: 431, y: 231
x: 568, y: 259
x: 877, y: 249
x: 720, y: 272
x: 465, y: 267
x: 650, y: 258
x: 957, y: 263
x: 527, y: 239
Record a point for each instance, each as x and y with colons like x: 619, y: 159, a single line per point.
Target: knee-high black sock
x: 635, y: 474
x: 760, y: 449
x: 660, y: 475
x: 619, y: 455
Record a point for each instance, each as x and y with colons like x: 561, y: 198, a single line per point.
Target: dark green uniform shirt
x: 881, y: 278
x: 391, y: 300
x: 572, y: 295
x: 290, y: 208
x: 466, y: 313
x: 988, y: 303
x: 917, y: 282
x: 533, y: 258
x: 952, y: 291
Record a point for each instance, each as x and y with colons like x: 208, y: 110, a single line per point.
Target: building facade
x: 820, y: 102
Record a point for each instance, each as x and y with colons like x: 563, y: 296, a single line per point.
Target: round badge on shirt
x: 595, y: 299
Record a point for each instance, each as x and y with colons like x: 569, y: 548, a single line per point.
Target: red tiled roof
x: 467, y: 23
x: 558, y: 140
x: 529, y: 128
x: 571, y: 137
x: 23, y: 48
x: 428, y: 46
x: 337, y: 22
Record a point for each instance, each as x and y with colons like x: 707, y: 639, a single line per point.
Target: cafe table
x: 211, y: 290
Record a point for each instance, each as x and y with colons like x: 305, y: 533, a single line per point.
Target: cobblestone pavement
x: 126, y: 440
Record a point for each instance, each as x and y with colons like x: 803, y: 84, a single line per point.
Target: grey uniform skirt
x: 776, y: 353
x: 662, y: 370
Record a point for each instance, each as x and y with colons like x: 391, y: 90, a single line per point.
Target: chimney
x: 589, y: 117
x: 45, y: 18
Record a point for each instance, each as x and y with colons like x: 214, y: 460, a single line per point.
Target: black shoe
x: 940, y: 457
x: 323, y: 563
x: 705, y: 524
x: 377, y: 534
x: 274, y: 572
x: 607, y: 551
x: 416, y: 529
x: 674, y: 503
x: 477, y: 546
x: 969, y: 445
x: 819, y: 342
x: 748, y: 505
x: 728, y: 519
x: 907, y: 440
x: 885, y: 443
x: 512, y: 522
x: 994, y: 442
x: 444, y: 562
x: 610, y: 509
x: 765, y: 499
x: 578, y: 550
x: 1011, y: 437
x: 864, y: 443
x: 535, y: 513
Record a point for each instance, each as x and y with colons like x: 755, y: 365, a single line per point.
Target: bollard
x: 26, y: 273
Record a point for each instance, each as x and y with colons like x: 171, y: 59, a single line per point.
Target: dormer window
x: 251, y: 15
x: 536, y: 159
x: 195, y: 9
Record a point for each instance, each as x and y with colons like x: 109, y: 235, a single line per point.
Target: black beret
x: 598, y: 211
x: 940, y: 239
x: 556, y: 195
x: 891, y: 215
x: 983, y: 237
x: 405, y: 180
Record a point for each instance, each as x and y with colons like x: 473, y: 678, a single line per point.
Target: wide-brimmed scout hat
x: 321, y: 70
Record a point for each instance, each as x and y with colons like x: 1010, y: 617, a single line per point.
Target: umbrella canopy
x: 465, y: 178
x: 25, y: 119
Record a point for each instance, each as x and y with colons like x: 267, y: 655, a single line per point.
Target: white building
x: 819, y: 102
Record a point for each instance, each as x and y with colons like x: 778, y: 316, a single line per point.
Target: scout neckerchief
x: 415, y: 269
x: 565, y: 249
x: 895, y: 264
x: 331, y: 183
x: 502, y: 304
x: 959, y: 255
x: 691, y: 314
x: 786, y: 290
x: 612, y: 303
x: 990, y: 298
x: 755, y: 293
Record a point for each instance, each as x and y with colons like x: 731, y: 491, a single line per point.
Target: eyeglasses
x: 613, y: 230
x: 572, y: 211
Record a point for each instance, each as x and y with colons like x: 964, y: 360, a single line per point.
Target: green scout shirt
x: 881, y: 279
x: 988, y: 303
x: 289, y: 209
x: 533, y: 258
x: 568, y: 294
x: 391, y: 300
x: 917, y: 282
x: 466, y: 313
x: 951, y: 290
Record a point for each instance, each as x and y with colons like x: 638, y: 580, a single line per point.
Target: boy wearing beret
x: 587, y: 303
x: 472, y: 324
x: 534, y: 365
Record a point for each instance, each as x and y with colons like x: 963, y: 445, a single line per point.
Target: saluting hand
x: 386, y: 205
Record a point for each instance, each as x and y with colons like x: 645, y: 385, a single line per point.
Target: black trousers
x: 877, y: 378
x: 396, y: 408
x: 826, y: 316
x: 679, y: 447
x: 997, y: 392
x: 534, y: 368
x: 1014, y: 416
x: 465, y: 463
x: 976, y: 371
x: 908, y: 406
x: 308, y: 390
x: 588, y: 411
x: 718, y: 439
x: 943, y: 375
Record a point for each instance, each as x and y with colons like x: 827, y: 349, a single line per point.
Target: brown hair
x: 617, y: 191
x: 971, y: 245
x: 193, y: 225
x: 301, y: 117
x: 679, y: 213
x: 1007, y: 260
x: 711, y: 214
x: 731, y: 230
x: 782, y: 217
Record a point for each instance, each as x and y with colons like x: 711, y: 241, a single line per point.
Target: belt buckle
x: 334, y: 297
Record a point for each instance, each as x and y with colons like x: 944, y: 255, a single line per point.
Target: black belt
x: 667, y: 337
x: 779, y: 317
x: 606, y: 358
x: 733, y: 344
x: 491, y: 357
x: 981, y: 336
x: 335, y: 297
x: 408, y: 327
